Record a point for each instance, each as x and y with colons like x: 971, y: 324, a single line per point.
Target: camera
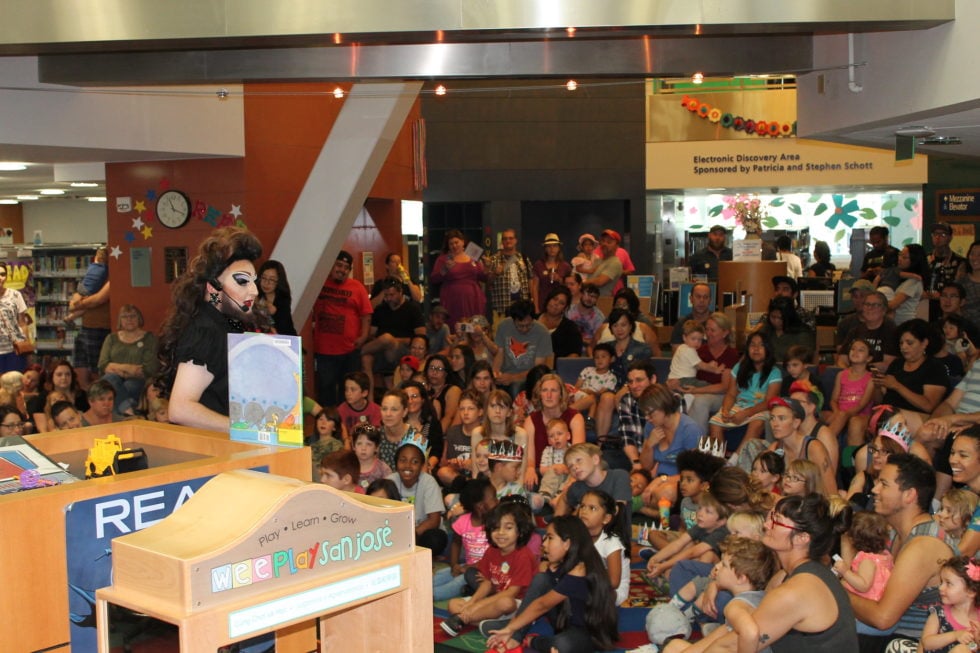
x: 466, y: 327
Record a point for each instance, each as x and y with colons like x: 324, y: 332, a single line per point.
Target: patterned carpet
x: 632, y: 631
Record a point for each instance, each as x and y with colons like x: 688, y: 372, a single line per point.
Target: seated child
x: 383, y: 489
x: 957, y: 343
x: 955, y: 514
x: 685, y: 363
x: 755, y: 380
x: 327, y: 434
x: 745, y: 569
x: 96, y: 274
x: 952, y: 626
x: 796, y: 367
x: 553, y: 471
x: 478, y: 499
x: 64, y: 415
x: 506, y: 570
x: 640, y: 478
x: 696, y: 469
x: 505, y: 459
x: 600, y: 515
x: 768, y: 469
x: 340, y: 470
x: 407, y: 370
x: 866, y: 565
x: 700, y: 542
x: 159, y: 410
x: 456, y: 467
x: 357, y: 406
x: 595, y: 380
x: 367, y: 439
x: 584, y: 461
x: 419, y: 488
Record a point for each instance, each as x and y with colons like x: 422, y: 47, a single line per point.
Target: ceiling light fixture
x: 83, y: 184
x: 51, y: 191
x: 9, y: 202
x: 571, y: 85
x: 697, y: 78
x: 338, y: 93
x: 570, y: 31
x: 440, y: 90
x: 95, y: 199
x: 24, y: 198
x: 12, y: 166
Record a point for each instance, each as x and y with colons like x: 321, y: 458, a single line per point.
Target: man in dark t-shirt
x: 879, y: 332
x: 393, y: 324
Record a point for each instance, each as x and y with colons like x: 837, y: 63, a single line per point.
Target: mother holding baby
x: 716, y: 349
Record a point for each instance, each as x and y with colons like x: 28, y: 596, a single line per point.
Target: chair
x: 569, y: 367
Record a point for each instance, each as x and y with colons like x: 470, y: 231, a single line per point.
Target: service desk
x: 34, y: 603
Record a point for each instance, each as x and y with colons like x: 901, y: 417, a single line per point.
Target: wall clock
x: 173, y: 209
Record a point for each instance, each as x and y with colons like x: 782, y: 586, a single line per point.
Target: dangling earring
x: 215, y: 299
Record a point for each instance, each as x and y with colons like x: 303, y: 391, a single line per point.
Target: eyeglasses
x: 772, y: 522
x: 793, y: 478
x: 437, y: 369
x: 270, y: 279
x: 875, y: 450
x: 12, y: 425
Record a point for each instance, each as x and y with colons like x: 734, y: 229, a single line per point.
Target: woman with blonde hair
x: 718, y: 349
x: 550, y: 400
x: 128, y: 358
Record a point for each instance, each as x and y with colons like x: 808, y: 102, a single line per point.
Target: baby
x: 553, y: 471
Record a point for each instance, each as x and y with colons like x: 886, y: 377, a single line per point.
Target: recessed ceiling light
x: 95, y: 199
x: 51, y: 191
x: 27, y: 197
x: 12, y: 166
x: 9, y: 202
x: 83, y: 184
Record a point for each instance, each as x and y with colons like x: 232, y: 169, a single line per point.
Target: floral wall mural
x: 830, y: 216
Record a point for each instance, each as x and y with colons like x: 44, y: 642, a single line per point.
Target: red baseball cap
x: 612, y: 234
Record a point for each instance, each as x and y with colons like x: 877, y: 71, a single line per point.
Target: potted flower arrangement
x: 748, y: 213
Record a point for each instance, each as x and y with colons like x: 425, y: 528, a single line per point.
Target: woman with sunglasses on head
x: 810, y: 610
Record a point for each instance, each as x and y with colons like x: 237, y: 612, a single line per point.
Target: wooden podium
x: 35, y: 603
x: 751, y: 277
x: 252, y: 553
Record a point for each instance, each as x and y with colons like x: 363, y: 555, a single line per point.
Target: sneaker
x: 590, y: 424
x: 492, y: 624
x: 453, y: 625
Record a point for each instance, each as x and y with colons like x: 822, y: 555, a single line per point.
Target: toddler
x: 700, y: 542
x: 340, y: 470
x: 95, y: 277
x: 867, y: 573
x: 554, y: 473
x: 159, y: 410
x: 952, y: 627
x: 696, y: 469
x: 685, y: 363
x: 955, y: 514
x: 957, y: 341
x: 367, y: 439
x: 595, y: 380
x: 327, y: 436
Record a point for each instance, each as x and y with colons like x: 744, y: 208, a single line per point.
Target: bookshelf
x: 58, y: 271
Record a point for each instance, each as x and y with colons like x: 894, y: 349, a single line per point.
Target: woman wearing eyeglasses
x: 12, y: 423
x: 810, y: 611
x: 444, y: 394
x: 275, y: 298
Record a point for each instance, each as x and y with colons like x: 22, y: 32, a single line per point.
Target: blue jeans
x: 128, y: 392
x: 445, y: 586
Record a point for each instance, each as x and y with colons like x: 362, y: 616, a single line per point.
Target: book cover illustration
x: 265, y: 389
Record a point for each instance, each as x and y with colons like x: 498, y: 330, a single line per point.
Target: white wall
x: 906, y: 73
x: 66, y: 221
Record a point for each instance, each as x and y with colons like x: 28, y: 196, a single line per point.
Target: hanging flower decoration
x: 772, y: 128
x: 748, y: 212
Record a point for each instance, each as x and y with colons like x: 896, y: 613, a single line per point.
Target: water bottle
x: 664, y: 506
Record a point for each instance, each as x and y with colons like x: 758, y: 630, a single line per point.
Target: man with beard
x: 393, y: 324
x: 341, y: 324
x: 213, y: 298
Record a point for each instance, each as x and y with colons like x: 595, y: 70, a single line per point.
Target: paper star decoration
x: 236, y: 210
x: 115, y: 252
x: 147, y: 232
x: 140, y: 206
x: 151, y: 194
x: 130, y: 236
x: 138, y: 223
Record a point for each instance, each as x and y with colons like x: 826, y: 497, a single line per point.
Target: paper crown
x: 506, y: 451
x: 897, y: 432
x: 415, y: 439
x: 711, y: 446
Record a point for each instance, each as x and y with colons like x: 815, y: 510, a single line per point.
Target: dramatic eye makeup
x: 243, y: 278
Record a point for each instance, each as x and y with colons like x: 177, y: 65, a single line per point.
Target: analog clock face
x: 173, y: 209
